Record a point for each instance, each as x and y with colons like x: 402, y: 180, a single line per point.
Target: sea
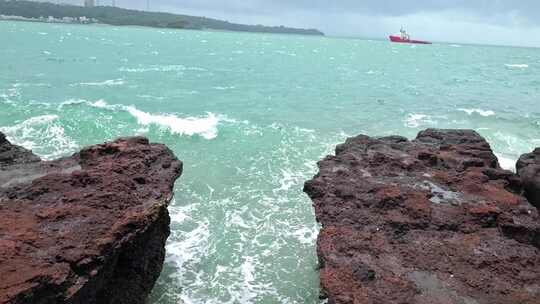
x: 250, y: 115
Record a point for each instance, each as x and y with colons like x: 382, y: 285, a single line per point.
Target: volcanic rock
x: 433, y: 220
x: 89, y: 228
x: 11, y: 154
x: 528, y: 168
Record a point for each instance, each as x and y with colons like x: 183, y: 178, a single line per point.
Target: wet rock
x: 528, y: 168
x: 89, y: 228
x: 11, y: 154
x: 432, y: 220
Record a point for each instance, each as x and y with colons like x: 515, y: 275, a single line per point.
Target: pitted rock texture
x: 433, y: 220
x: 90, y: 228
x: 528, y: 168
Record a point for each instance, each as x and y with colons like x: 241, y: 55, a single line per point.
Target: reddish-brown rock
x: 434, y: 220
x: 528, y: 168
x: 90, y: 228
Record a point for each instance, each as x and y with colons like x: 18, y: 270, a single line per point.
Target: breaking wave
x: 205, y: 126
x: 415, y: 120
x: 485, y: 113
x: 43, y: 135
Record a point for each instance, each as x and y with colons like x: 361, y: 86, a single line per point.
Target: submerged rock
x: 432, y: 220
x: 90, y: 228
x: 528, y: 168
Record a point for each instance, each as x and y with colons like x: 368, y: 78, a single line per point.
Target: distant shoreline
x: 162, y: 28
x: 70, y: 14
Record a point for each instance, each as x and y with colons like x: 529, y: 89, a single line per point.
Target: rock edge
x: 432, y: 220
x: 90, y: 228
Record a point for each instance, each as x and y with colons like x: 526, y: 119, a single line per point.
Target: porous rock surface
x: 434, y: 220
x: 90, y: 228
x: 528, y: 168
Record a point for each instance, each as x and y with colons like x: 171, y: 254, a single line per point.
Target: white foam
x: 415, y: 120
x: 43, y: 135
x: 517, y: 66
x: 220, y: 88
x: 147, y: 96
x: 100, y: 103
x: 247, y: 294
x: 506, y: 163
x: 455, y: 45
x: 106, y: 83
x: 204, y: 126
x: 160, y: 68
x: 485, y: 113
x: 190, y: 248
x: 306, y: 235
x: 23, y: 84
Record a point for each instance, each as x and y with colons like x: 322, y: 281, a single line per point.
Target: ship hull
x: 398, y: 39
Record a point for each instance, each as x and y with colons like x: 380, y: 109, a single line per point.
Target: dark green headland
x: 119, y: 16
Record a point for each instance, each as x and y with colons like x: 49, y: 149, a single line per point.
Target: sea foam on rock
x: 432, y: 220
x: 90, y: 228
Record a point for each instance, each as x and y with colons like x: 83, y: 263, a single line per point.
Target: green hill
x: 120, y: 16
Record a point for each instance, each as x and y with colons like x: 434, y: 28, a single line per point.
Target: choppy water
x: 250, y: 115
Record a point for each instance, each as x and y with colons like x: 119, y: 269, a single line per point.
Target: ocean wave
x: 485, y: 113
x: 24, y: 85
x: 415, y: 120
x: 220, y: 88
x: 161, y: 68
x: 42, y: 134
x: 106, y: 83
x: 517, y: 66
x: 100, y: 103
x: 204, y: 126
x: 146, y: 96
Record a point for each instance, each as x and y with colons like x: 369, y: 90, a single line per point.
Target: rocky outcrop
x: 528, y: 168
x: 90, y: 228
x: 432, y: 220
x: 11, y: 154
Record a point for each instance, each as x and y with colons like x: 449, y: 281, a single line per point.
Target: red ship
x: 406, y: 38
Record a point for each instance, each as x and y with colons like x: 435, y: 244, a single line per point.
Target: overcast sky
x: 511, y: 22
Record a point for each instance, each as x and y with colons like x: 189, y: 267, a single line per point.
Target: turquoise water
x: 250, y: 115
